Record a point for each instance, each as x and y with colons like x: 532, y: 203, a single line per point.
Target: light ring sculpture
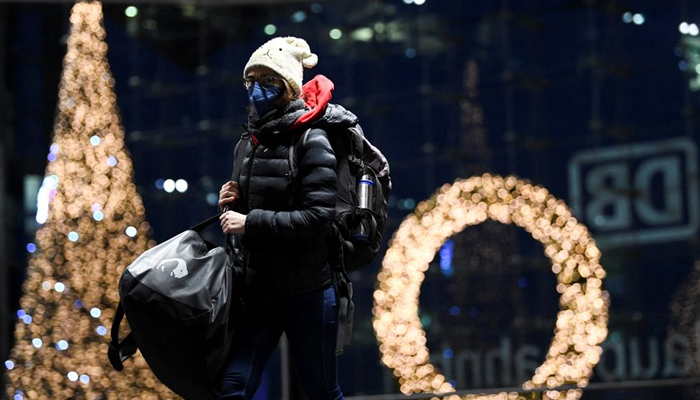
x: 581, y: 324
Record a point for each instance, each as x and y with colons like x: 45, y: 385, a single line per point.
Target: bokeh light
x: 270, y: 29
x: 181, y: 185
x: 95, y: 312
x: 581, y: 324
x: 86, y: 202
x: 169, y: 185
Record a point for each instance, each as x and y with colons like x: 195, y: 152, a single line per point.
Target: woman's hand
x: 232, y: 223
x: 229, y: 192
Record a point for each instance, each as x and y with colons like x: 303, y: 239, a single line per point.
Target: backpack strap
x: 238, y: 159
x: 120, y: 351
x: 346, y: 312
x: 346, y: 307
x: 292, y: 157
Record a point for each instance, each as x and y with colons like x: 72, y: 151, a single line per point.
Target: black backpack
x: 177, y: 297
x: 357, y: 229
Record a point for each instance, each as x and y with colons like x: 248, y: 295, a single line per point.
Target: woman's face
x: 265, y: 76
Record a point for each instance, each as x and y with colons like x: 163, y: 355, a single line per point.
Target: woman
x: 282, y: 221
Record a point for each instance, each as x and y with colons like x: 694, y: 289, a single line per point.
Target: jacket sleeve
x: 318, y: 185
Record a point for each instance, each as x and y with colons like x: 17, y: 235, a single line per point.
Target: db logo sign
x: 639, y: 193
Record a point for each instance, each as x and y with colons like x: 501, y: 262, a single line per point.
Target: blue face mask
x: 263, y: 99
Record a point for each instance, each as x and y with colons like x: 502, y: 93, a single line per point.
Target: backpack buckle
x: 289, y: 176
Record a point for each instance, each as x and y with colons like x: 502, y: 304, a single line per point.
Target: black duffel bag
x: 177, y: 298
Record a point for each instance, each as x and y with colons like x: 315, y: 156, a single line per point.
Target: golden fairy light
x: 94, y: 226
x: 581, y: 324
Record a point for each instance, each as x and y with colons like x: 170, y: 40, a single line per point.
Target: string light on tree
x: 94, y: 226
x: 581, y: 324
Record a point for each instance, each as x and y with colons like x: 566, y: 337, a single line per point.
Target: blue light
x: 448, y: 353
x: 21, y: 313
x: 212, y: 199
x: 101, y: 330
x: 62, y: 345
x: 37, y: 343
x: 27, y: 319
x: 112, y: 161
x: 683, y: 65
x: 446, y: 255
x: 474, y: 312
x: 98, y: 216
x: 31, y: 247
x: 410, y: 53
x: 406, y: 204
x: 51, y: 157
x: 299, y: 17
x: 18, y: 395
x: 73, y: 236
x: 523, y: 282
x: 78, y: 304
x: 627, y: 17
x: 9, y: 364
x: 159, y: 183
x: 95, y: 140
x: 84, y: 379
x: 95, y: 312
x: 454, y: 311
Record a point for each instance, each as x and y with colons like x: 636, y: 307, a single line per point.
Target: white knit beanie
x: 286, y: 56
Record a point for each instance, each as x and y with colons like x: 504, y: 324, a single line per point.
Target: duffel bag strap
x: 120, y: 351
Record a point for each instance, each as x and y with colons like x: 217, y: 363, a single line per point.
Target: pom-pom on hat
x: 287, y: 56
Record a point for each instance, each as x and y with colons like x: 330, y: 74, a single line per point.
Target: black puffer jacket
x: 285, y: 240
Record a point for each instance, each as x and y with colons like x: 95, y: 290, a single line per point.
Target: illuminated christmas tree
x: 93, y: 227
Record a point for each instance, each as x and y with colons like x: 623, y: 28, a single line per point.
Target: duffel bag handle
x: 120, y: 351
x: 202, y: 225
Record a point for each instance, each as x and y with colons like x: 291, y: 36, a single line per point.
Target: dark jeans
x: 310, y: 322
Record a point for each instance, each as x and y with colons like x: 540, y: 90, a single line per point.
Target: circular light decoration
x: 581, y: 323
x: 73, y: 376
